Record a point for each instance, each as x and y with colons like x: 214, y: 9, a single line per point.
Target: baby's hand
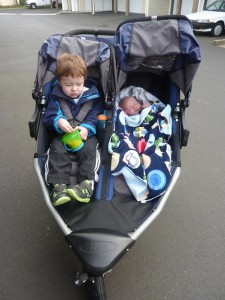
x: 64, y: 125
x: 83, y: 132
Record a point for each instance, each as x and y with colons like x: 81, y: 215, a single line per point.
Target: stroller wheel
x: 96, y: 288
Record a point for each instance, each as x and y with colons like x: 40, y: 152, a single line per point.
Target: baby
x: 131, y: 106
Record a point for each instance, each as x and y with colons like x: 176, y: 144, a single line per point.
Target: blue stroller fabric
x: 139, y: 146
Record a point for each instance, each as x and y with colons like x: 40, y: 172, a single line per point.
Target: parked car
x: 38, y: 3
x: 211, y: 19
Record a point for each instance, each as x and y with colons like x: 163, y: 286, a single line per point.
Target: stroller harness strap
x: 81, y: 114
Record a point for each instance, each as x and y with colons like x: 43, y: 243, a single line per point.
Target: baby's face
x: 132, y: 107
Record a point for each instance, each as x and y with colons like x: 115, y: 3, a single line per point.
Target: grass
x: 13, y: 6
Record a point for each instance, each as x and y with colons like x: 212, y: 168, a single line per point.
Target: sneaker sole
x: 74, y: 196
x: 61, y: 201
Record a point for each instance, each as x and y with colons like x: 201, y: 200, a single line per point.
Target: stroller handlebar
x: 94, y: 32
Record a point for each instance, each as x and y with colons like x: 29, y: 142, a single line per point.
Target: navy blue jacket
x: 54, y: 112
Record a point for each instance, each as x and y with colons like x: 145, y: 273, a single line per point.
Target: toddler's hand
x: 83, y: 132
x: 64, y: 125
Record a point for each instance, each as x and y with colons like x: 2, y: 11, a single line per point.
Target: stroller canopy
x: 96, y: 54
x: 158, y: 45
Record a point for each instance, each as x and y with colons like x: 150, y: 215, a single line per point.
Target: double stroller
x: 159, y: 55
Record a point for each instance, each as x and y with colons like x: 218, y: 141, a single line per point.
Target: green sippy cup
x: 73, y: 141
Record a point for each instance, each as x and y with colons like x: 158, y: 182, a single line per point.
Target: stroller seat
x: 139, y: 144
x: 97, y: 56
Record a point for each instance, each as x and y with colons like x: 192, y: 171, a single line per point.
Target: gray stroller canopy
x: 162, y: 45
x: 95, y: 53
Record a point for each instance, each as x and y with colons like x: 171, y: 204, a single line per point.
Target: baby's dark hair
x: 123, y: 101
x: 70, y: 65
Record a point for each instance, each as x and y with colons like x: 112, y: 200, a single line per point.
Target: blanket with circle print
x: 139, y: 146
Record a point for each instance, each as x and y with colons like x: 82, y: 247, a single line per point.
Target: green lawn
x: 13, y: 6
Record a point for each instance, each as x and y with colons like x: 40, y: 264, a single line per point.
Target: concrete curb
x: 219, y: 42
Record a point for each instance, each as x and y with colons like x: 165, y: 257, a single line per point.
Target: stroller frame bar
x: 66, y: 230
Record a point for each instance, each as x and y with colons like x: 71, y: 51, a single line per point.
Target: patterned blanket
x: 140, y: 149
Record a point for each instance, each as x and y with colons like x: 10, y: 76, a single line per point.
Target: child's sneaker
x: 81, y: 192
x: 59, y: 195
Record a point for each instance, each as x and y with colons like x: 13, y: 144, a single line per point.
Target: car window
x: 216, y: 6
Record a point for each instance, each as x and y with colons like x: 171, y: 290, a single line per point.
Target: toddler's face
x: 72, y: 86
x: 132, y: 107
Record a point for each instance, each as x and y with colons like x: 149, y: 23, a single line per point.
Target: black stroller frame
x: 163, y: 50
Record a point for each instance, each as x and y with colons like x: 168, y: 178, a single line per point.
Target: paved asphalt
x: 180, y: 257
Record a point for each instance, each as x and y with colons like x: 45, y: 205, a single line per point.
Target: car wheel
x: 33, y: 6
x: 217, y: 29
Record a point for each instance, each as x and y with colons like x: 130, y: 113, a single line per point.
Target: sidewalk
x: 220, y: 42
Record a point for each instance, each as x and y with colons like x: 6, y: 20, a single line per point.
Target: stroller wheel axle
x: 84, y: 277
x: 81, y: 278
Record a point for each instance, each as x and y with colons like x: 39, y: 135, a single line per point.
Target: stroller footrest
x: 99, y: 249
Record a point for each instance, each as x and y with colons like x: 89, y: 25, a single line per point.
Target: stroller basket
x: 159, y: 55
